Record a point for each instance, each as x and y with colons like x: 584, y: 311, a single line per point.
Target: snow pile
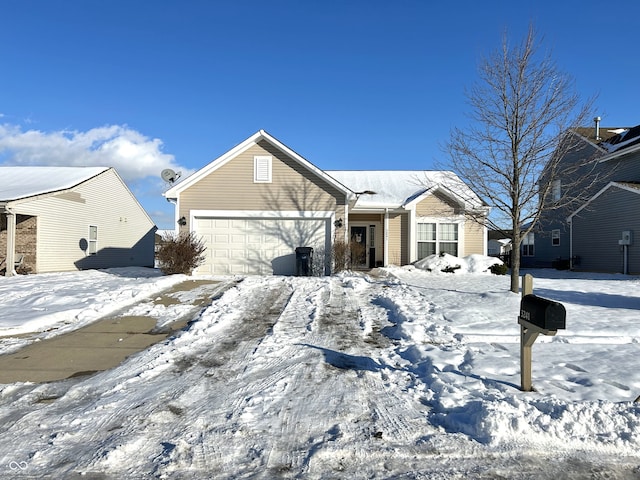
x: 55, y: 303
x: 451, y: 264
x: 406, y: 375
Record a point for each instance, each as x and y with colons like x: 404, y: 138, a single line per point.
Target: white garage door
x: 258, y: 245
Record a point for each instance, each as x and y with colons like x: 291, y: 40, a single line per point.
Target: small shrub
x: 498, y: 269
x: 341, y: 255
x: 560, y: 264
x: 451, y: 268
x: 319, y: 262
x: 358, y: 253
x: 346, y: 254
x: 181, y: 253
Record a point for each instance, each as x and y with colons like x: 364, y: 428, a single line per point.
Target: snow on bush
x: 449, y: 264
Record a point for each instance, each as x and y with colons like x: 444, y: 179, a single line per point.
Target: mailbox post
x: 537, y: 315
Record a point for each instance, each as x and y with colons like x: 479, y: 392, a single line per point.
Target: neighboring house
x: 55, y: 219
x: 602, y: 230
x: 499, y: 247
x: 258, y: 202
x: 585, y: 236
x: 161, y: 236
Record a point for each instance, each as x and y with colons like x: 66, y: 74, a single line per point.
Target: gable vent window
x: 262, y: 169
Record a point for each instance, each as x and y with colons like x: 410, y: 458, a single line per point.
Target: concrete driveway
x: 105, y: 343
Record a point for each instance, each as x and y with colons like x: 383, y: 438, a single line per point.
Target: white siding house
x: 71, y: 218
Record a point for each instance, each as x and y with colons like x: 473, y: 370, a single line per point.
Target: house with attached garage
x: 55, y: 219
x: 596, y: 232
x: 255, y: 204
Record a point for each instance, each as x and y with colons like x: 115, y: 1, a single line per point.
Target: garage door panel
x: 224, y: 223
x: 257, y: 246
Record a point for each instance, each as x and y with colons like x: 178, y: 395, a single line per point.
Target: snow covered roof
x: 397, y: 188
x: 624, y: 139
x: 23, y: 182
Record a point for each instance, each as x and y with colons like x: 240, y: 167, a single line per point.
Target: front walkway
x: 105, y: 343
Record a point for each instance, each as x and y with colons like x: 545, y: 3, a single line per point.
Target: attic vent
x: 262, y: 169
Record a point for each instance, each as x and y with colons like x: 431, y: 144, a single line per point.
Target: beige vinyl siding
x: 341, y: 213
x: 439, y: 208
x: 232, y: 187
x: 64, y: 220
x: 473, y: 238
x: 398, y: 239
x: 436, y: 205
x: 366, y: 217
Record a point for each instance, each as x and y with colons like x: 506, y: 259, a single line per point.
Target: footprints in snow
x: 579, y: 380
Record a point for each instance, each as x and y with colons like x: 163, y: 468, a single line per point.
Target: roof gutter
x: 619, y: 153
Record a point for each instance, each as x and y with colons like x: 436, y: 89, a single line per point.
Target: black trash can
x: 304, y: 261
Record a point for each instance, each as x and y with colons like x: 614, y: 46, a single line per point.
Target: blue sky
x: 146, y: 85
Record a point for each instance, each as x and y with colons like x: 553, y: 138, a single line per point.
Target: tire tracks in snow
x: 175, y: 423
x: 275, y: 381
x: 341, y: 406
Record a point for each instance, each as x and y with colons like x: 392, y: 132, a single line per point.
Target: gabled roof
x: 613, y: 142
x: 404, y: 188
x: 624, y: 140
x: 22, y: 182
x: 604, y: 133
x: 174, y: 191
x: 632, y: 187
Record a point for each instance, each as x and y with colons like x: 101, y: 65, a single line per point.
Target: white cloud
x: 134, y: 155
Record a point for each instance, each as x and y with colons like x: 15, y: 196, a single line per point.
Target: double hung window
x: 93, y: 240
x: 437, y: 238
x: 528, y: 243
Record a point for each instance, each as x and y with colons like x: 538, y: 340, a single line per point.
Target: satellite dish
x: 169, y: 175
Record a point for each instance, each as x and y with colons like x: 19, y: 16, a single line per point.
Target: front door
x: 358, y: 247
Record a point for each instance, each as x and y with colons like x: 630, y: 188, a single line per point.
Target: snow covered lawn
x: 406, y: 375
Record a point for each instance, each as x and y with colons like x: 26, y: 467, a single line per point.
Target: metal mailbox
x: 543, y: 313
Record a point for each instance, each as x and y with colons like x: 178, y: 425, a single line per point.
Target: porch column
x: 11, y: 243
x: 413, y: 245
x: 385, y: 253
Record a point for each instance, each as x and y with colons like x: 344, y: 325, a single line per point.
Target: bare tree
x: 521, y: 110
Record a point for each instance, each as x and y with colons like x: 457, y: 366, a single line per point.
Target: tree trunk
x: 515, y: 269
x: 516, y: 240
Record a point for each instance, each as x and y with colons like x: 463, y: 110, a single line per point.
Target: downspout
x: 174, y: 202
x: 10, y: 260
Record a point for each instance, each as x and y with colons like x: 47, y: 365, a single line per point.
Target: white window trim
x: 525, y: 241
x: 262, y: 168
x: 439, y: 221
x: 90, y: 241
